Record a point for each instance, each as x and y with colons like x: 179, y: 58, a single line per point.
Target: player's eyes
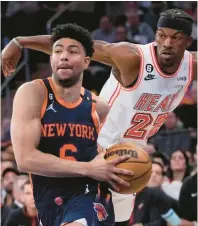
x: 57, y: 51
x: 177, y: 38
x: 162, y: 36
x: 73, y: 51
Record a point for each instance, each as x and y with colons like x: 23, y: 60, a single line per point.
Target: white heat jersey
x: 137, y: 113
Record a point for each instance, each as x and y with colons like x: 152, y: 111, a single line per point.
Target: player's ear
x: 87, y: 61
x: 189, y: 42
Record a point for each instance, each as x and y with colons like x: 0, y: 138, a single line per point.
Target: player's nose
x: 168, y: 43
x: 64, y: 56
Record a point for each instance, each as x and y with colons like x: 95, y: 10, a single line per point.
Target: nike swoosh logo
x: 146, y: 78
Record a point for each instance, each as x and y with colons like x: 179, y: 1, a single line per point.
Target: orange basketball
x: 139, y: 163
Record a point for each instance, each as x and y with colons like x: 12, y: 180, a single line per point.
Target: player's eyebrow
x: 70, y: 46
x: 58, y: 45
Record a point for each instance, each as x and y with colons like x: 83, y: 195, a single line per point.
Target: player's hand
x: 186, y: 223
x: 10, y: 57
x: 103, y: 170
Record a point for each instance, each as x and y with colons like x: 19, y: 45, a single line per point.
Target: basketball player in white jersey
x: 147, y: 82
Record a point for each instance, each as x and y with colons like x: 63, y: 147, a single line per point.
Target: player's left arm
x: 102, y: 108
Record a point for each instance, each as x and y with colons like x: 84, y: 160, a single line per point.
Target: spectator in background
x: 152, y: 17
x: 150, y: 148
x: 179, y: 169
x: 160, y: 158
x: 187, y: 112
x: 26, y: 216
x: 171, y: 136
x: 150, y: 204
x: 7, y: 154
x: 6, y: 164
x: 5, y: 212
x: 105, y: 32
x: 17, y: 191
x: 8, y: 177
x: 121, y: 34
x: 5, y: 133
x: 195, y: 160
x: 188, y: 201
x: 157, y: 175
x: 138, y: 32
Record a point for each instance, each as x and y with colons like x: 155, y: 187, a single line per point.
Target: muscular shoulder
x: 124, y: 49
x: 102, y: 108
x: 30, y: 94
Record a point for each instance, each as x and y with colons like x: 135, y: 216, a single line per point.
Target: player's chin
x: 168, y: 62
x: 64, y: 74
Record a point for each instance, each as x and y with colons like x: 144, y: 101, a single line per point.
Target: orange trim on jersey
x: 157, y: 66
x: 190, y: 72
x: 94, y: 113
x: 113, y: 93
x: 44, y: 106
x: 140, y: 74
x: 61, y: 101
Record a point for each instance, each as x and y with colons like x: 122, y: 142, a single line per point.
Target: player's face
x: 171, y: 45
x: 28, y: 198
x: 8, y: 181
x: 156, y: 176
x: 68, y: 61
x: 178, y: 162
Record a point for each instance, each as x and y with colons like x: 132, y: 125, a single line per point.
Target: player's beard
x: 166, y: 64
x: 68, y: 82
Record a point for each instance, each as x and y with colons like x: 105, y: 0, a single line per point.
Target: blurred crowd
x: 173, y: 149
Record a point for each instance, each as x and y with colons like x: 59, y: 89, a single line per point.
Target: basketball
x: 140, y: 163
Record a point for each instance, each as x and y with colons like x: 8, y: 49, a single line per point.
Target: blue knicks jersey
x: 69, y: 131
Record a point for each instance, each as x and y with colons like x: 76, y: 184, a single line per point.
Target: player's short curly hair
x: 75, y: 32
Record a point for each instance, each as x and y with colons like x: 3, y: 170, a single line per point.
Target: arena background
x: 109, y: 21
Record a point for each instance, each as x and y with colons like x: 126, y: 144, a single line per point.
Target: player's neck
x: 69, y: 94
x: 178, y: 175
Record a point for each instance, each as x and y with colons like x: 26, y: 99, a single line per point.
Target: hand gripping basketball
x: 108, y: 171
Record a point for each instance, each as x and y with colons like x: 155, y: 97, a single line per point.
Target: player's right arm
x: 124, y: 56
x: 26, y: 134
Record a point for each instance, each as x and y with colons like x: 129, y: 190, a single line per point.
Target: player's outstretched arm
x: 12, y: 51
x: 120, y: 55
x: 115, y: 54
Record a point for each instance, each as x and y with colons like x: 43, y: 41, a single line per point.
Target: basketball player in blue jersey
x: 54, y: 132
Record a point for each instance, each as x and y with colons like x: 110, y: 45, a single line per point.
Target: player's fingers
x: 5, y: 70
x: 123, y: 171
x: 10, y: 67
x: 119, y: 180
x: 120, y: 159
x: 113, y: 185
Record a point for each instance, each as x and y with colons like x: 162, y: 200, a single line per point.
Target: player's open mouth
x: 167, y: 55
x: 64, y: 67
